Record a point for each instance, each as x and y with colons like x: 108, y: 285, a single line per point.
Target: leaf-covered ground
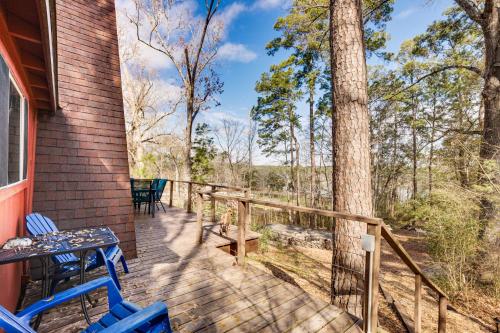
x: 309, y: 269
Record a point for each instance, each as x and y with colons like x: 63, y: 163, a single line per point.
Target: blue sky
x: 249, y: 27
x: 254, y: 29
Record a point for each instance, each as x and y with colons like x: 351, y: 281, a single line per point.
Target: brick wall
x: 81, y: 168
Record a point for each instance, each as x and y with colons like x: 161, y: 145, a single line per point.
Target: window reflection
x: 14, y: 135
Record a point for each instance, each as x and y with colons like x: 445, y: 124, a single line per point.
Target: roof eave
x: 47, y: 12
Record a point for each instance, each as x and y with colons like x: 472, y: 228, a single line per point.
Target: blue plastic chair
x: 160, y: 187
x: 68, y: 265
x: 122, y: 317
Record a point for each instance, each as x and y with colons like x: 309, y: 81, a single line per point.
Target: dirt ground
x: 310, y: 268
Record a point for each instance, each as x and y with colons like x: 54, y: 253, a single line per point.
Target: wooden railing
x: 375, y: 227
x: 370, y: 299
x: 214, y: 188
x: 419, y: 278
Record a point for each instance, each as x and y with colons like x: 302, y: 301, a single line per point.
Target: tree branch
x: 367, y: 16
x: 472, y: 11
x: 434, y: 72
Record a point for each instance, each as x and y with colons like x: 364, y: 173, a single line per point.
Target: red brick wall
x: 82, y: 175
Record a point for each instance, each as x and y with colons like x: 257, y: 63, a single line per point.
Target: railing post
x: 443, y: 304
x: 242, y: 225
x: 418, y: 304
x: 171, y: 196
x: 372, y: 267
x: 249, y: 208
x: 212, y: 205
x: 189, y: 203
x: 199, y: 217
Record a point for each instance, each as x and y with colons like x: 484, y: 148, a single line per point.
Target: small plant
x: 266, y: 236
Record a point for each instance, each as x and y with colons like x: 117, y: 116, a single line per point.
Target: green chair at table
x: 159, y: 185
x: 140, y: 192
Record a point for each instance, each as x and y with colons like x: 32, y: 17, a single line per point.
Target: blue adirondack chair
x: 122, y: 317
x: 68, y: 265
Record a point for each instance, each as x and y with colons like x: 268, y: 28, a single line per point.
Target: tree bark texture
x: 490, y: 145
x: 352, y: 190
x: 188, y: 133
x: 414, y: 153
x: 313, y: 185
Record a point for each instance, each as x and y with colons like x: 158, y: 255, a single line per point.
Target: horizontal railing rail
x: 302, y: 209
x: 214, y: 188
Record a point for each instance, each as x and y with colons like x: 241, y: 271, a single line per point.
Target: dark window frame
x: 23, y: 142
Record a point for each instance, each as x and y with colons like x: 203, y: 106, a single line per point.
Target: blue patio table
x: 44, y: 246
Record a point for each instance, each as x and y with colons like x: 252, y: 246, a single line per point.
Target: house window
x: 13, y: 130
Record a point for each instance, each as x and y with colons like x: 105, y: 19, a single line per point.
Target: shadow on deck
x: 204, y: 290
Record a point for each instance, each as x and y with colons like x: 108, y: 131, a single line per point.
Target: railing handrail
x: 302, y: 209
x: 405, y: 257
x: 229, y: 187
x: 386, y: 233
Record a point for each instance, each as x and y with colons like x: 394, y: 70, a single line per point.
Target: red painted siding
x: 82, y: 176
x: 12, y: 212
x: 15, y: 200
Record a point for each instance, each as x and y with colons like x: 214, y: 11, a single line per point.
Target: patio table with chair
x: 148, y: 192
x: 47, y: 243
x: 63, y: 244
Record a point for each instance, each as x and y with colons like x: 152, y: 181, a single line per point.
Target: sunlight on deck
x: 203, y: 287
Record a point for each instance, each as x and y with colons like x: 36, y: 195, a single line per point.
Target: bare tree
x: 230, y: 140
x: 190, y: 43
x: 250, y: 138
x: 145, y: 112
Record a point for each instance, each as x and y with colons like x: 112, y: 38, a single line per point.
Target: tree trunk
x: 250, y: 156
x: 188, y: 163
x: 352, y: 190
x: 433, y: 134
x: 313, y: 185
x: 490, y: 144
x: 414, y: 152
x: 461, y: 158
x: 292, y: 146
x: 297, y: 170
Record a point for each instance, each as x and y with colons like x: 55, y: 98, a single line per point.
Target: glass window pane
x: 14, y: 135
x: 25, y: 151
x: 4, y: 121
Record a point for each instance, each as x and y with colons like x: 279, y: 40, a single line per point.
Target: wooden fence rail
x: 375, y: 228
x: 214, y: 188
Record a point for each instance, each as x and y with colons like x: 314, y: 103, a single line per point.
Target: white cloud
x: 215, y: 117
x: 137, y: 52
x: 236, y: 52
x: 271, y: 4
x: 231, y: 12
x: 406, y: 13
x: 222, y: 21
x: 169, y: 92
x: 155, y: 60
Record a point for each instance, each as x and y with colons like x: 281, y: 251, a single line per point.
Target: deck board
x: 203, y: 288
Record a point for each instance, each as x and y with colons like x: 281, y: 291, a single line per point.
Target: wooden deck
x: 204, y: 290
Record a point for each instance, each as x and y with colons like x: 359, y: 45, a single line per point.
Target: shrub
x: 265, y: 238
x: 450, y: 219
